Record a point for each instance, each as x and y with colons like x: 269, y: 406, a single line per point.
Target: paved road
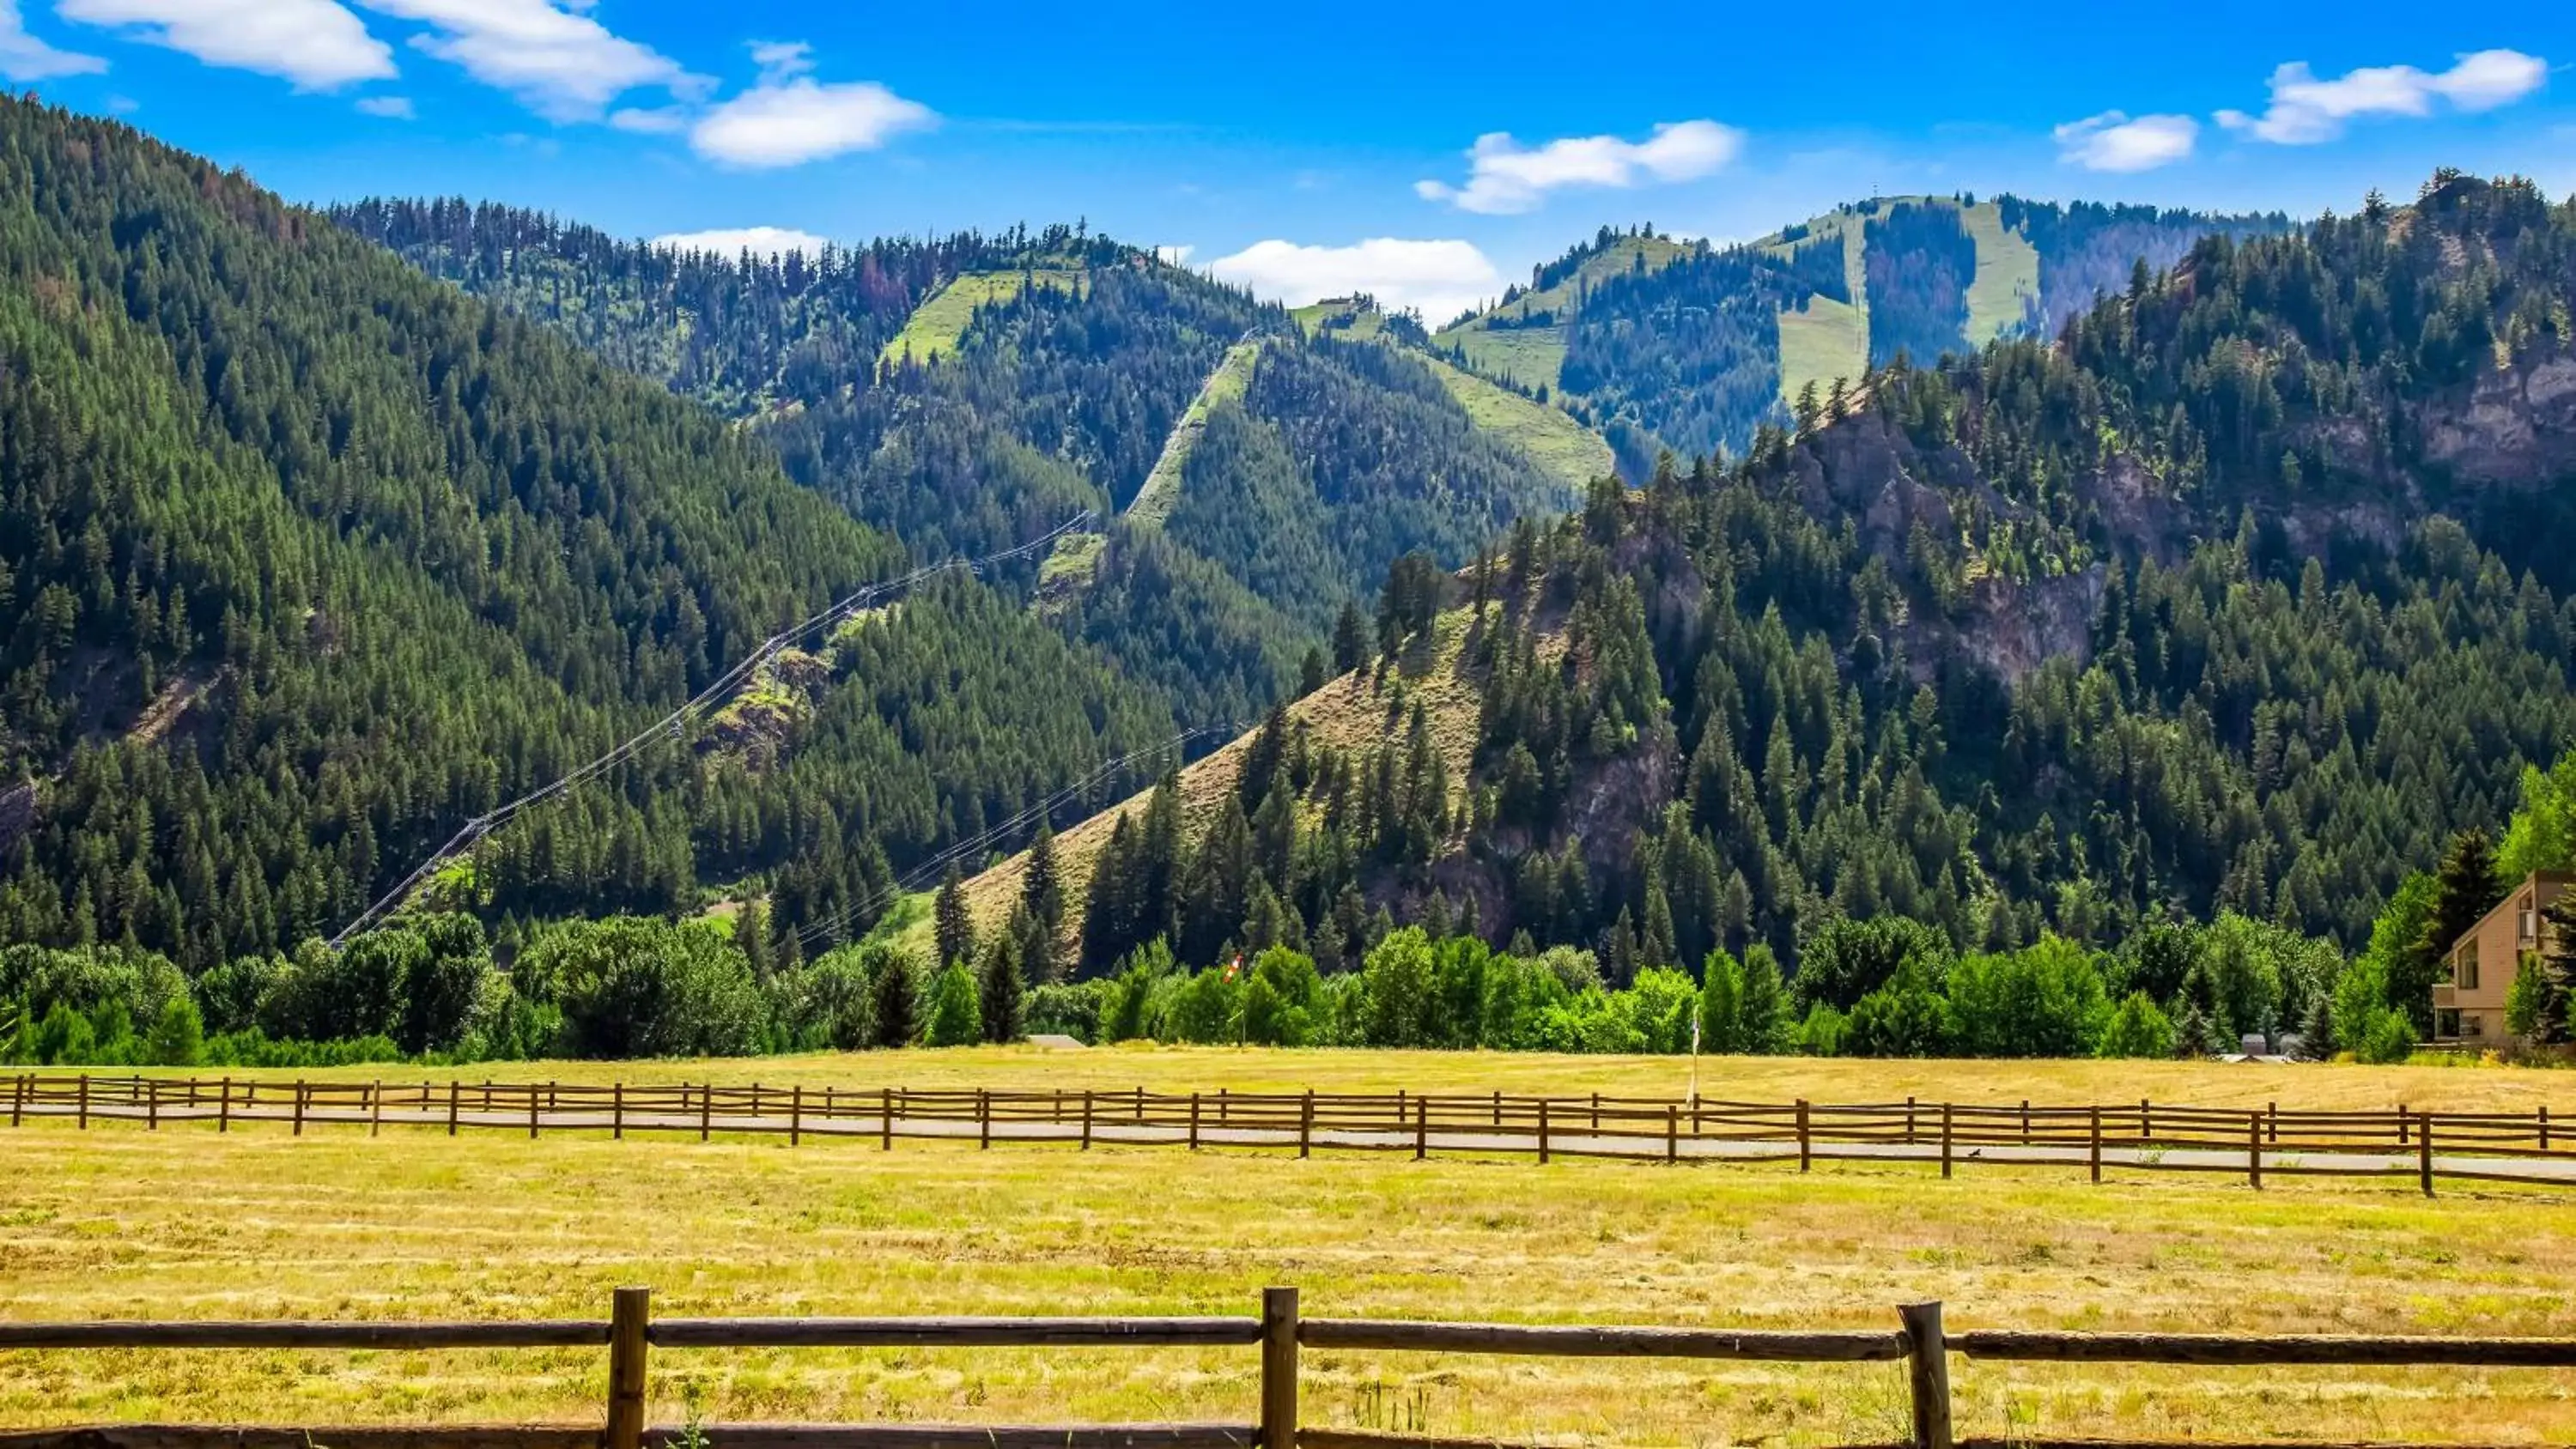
x: 1576, y: 1143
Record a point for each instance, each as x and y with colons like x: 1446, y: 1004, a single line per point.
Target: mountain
x: 309, y: 559
x: 312, y: 559
x: 1666, y: 343
x: 970, y: 392
x: 2235, y: 598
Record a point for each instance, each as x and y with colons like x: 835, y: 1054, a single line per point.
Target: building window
x: 2530, y: 928
x: 2464, y: 971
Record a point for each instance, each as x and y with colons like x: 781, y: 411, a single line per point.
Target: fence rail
x: 630, y: 1333
x: 2424, y: 1145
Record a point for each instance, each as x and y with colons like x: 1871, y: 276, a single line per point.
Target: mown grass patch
x: 1161, y: 491
x: 1564, y: 449
x: 2007, y: 280
x: 181, y: 1222
x: 939, y: 323
x: 1828, y: 340
x: 1529, y: 356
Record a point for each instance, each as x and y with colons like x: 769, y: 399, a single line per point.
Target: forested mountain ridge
x: 320, y: 558
x: 2231, y: 600
x: 1684, y: 344
x: 310, y: 558
x: 966, y: 393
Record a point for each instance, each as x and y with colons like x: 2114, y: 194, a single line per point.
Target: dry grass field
x: 120, y: 1222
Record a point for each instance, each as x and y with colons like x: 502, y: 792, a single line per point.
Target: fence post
x: 1194, y: 1121
x: 1672, y: 1134
x: 984, y: 1118
x: 885, y: 1119
x: 455, y: 1090
x: 533, y: 1099
x: 1928, y: 1367
x: 629, y: 1311
x: 2544, y: 1126
x: 1086, y: 1119
x: 1945, y: 1139
x: 2272, y: 1116
x: 84, y: 1106
x: 2424, y: 1153
x: 617, y: 1111
x: 2096, y: 1125
x: 1596, y: 1111
x: 1909, y: 1121
x: 18, y: 1108
x: 2401, y: 1124
x: 2254, y: 1149
x: 299, y: 1109
x: 1223, y: 1104
x: 1140, y: 1103
x: 1498, y: 1110
x: 151, y: 1104
x: 2025, y: 1121
x: 1278, y: 1368
x: 1306, y: 1124
x: 1806, y: 1149
x: 796, y: 1115
x: 376, y: 1108
x: 2146, y: 1123
x: 1421, y: 1128
x: 1542, y: 1131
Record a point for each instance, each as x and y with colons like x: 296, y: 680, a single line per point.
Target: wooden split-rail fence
x: 2254, y: 1142
x: 631, y: 1335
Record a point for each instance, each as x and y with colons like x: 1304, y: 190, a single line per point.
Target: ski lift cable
x: 723, y: 685
x: 912, y: 880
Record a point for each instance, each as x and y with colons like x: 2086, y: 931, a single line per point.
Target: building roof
x: 2560, y: 878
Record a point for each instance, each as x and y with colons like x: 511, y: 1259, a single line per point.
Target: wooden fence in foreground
x: 630, y: 1334
x: 2491, y: 1146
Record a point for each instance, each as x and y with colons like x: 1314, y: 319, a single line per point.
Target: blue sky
x: 1428, y: 152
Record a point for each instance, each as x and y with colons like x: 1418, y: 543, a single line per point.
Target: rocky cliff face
x: 2515, y: 427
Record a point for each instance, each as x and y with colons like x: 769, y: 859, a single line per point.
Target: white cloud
x: 316, y: 44
x: 651, y: 120
x: 1505, y: 177
x: 788, y: 118
x: 559, y: 62
x: 1178, y: 256
x: 732, y: 241
x: 2306, y: 110
x: 2113, y: 141
x: 25, y: 58
x: 1442, y: 278
x: 392, y: 108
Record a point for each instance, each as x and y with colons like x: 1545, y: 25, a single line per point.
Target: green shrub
x: 2389, y: 1038
x: 632, y: 987
x: 1066, y: 1009
x: 2137, y: 1028
x: 956, y: 1016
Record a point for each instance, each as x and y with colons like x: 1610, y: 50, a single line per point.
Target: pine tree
x: 1655, y: 947
x: 1000, y: 989
x: 953, y: 924
x: 1350, y: 639
x: 2554, y: 1019
x: 751, y: 936
x: 1042, y: 882
x: 895, y: 991
x: 1262, y: 758
x: 1109, y: 906
x: 2464, y: 890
